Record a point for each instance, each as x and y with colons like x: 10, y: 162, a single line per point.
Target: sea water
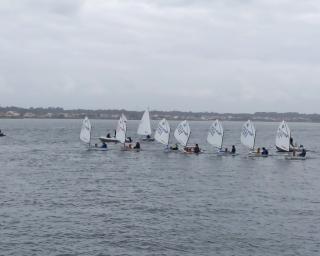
x: 57, y: 198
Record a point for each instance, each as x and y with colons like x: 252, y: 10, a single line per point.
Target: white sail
x: 144, y: 127
x: 248, y: 135
x: 85, y: 134
x: 162, y: 133
x: 215, y: 134
x: 283, y: 137
x: 182, y: 133
x: 124, y: 118
x: 121, y: 129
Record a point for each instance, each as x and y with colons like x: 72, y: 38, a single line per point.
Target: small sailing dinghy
x: 283, y: 138
x: 248, y: 139
x: 284, y: 141
x: 85, y: 135
x: 121, y: 134
x: 113, y: 139
x: 182, y: 135
x: 215, y: 138
x: 144, y: 127
x: 162, y: 134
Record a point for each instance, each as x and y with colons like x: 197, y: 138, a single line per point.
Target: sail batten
x: 248, y: 135
x: 162, y: 133
x: 215, y: 134
x: 144, y: 127
x: 85, y: 134
x: 283, y: 137
x: 182, y: 133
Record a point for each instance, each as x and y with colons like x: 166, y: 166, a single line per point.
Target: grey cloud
x: 225, y: 56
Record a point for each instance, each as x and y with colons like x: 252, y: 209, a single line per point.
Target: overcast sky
x: 197, y: 55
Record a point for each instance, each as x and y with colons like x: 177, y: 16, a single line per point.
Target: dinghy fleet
x: 182, y: 133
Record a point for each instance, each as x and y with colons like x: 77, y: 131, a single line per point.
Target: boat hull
x: 280, y: 150
x: 148, y: 139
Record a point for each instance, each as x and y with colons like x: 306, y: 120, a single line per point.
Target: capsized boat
x: 144, y: 127
x: 162, y: 134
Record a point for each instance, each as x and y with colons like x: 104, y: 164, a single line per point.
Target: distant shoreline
x: 155, y: 119
x: 111, y: 114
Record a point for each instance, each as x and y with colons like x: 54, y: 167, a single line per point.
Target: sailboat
x: 283, y: 138
x: 284, y: 142
x: 113, y: 139
x: 248, y: 139
x: 144, y: 127
x: 85, y: 133
x: 121, y: 129
x: 162, y: 134
x: 215, y: 135
x: 182, y: 135
x: 121, y: 133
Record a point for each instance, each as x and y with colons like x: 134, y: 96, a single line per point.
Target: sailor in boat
x: 137, y: 146
x: 192, y: 149
x: 129, y: 139
x: 115, y: 133
x: 174, y: 147
x: 233, y: 150
x: 264, y: 152
x: 258, y: 151
x: 108, y: 135
x: 303, y: 153
x: 196, y: 149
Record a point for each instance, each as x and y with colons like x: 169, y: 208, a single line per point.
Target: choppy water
x: 56, y: 198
